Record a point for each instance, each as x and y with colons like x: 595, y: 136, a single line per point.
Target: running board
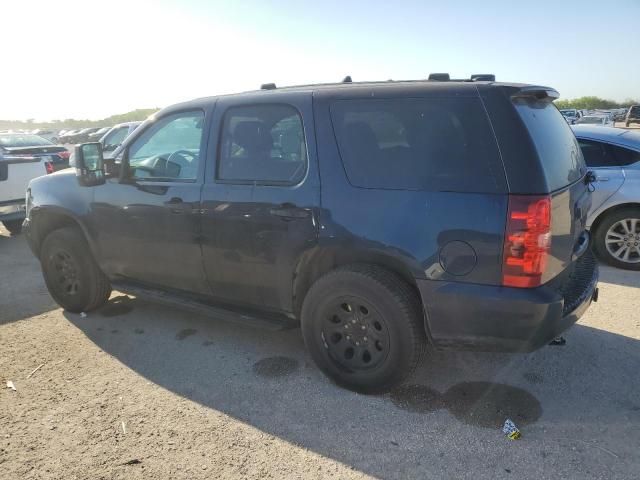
x: 262, y: 320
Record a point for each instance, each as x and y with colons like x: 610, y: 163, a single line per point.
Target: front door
x: 147, y: 227
x: 259, y: 200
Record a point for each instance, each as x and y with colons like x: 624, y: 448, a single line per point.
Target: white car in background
x: 571, y: 115
x: 613, y: 155
x: 596, y: 120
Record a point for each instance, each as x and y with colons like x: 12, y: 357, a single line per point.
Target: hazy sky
x: 89, y: 59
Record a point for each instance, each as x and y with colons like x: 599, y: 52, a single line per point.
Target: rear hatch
x: 56, y: 155
x: 564, y: 172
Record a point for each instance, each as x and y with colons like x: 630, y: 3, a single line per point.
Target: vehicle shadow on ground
x: 23, y: 293
x: 266, y: 379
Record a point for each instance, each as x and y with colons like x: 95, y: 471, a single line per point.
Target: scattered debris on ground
x: 510, y: 430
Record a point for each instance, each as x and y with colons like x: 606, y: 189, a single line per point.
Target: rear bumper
x: 491, y: 318
x: 12, y: 210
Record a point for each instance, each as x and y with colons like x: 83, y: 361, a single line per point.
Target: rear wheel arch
x: 362, y: 325
x: 316, y: 263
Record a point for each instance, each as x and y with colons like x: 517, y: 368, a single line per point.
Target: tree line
x: 29, y: 124
x: 591, y: 103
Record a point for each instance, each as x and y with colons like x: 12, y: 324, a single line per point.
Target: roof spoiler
x: 537, y: 93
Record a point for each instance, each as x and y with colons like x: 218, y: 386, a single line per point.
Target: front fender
x: 56, y: 201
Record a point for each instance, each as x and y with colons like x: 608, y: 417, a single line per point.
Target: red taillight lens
x: 49, y: 167
x: 527, y: 240
x: 64, y: 155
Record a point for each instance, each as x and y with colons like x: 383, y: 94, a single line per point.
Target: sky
x: 89, y: 59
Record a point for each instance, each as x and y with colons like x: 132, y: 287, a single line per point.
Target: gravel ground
x: 137, y: 390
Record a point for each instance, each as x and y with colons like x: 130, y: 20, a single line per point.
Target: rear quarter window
x: 555, y: 143
x: 434, y: 144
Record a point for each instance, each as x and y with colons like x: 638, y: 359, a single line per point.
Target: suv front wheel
x: 73, y: 277
x: 363, y: 327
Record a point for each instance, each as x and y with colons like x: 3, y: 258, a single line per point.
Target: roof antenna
x: 268, y: 86
x: 347, y: 79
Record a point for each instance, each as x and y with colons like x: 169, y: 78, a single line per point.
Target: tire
x: 14, y: 226
x: 363, y: 326
x: 71, y: 274
x: 612, y: 228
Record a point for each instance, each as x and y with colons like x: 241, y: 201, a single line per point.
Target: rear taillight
x: 49, y: 167
x: 64, y: 155
x: 527, y: 240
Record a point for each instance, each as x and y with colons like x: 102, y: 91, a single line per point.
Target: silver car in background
x: 613, y: 154
x: 599, y: 120
x: 115, y: 136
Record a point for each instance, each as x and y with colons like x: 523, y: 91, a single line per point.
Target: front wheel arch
x: 45, y: 220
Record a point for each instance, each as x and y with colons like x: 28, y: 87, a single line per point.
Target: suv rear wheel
x: 363, y: 327
x: 14, y: 226
x: 617, y: 239
x: 73, y: 277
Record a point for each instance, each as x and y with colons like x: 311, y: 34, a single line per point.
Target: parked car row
x: 602, y: 117
x: 109, y: 137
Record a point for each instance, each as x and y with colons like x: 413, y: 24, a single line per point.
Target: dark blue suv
x: 382, y: 217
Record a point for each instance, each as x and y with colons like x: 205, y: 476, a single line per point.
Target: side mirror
x: 89, y: 164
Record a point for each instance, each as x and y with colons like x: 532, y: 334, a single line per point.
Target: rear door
x: 600, y: 157
x: 259, y: 199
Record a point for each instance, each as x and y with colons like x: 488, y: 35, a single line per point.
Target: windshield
x: 568, y: 113
x: 23, y: 140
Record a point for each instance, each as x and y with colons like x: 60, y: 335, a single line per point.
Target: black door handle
x: 289, y: 211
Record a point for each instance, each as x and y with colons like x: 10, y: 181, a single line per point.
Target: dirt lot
x: 142, y: 391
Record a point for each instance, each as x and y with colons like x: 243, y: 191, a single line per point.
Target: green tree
x: 134, y: 115
x: 590, y: 103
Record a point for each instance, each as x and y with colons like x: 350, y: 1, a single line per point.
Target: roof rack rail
x: 268, y: 86
x: 439, y: 77
x: 347, y: 79
x: 483, y: 77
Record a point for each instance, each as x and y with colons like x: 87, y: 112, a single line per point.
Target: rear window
x: 555, y: 142
x: 438, y: 144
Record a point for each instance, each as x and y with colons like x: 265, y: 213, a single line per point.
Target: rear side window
x: 624, y: 156
x: 438, y: 144
x: 555, y: 142
x: 600, y: 154
x: 262, y: 144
